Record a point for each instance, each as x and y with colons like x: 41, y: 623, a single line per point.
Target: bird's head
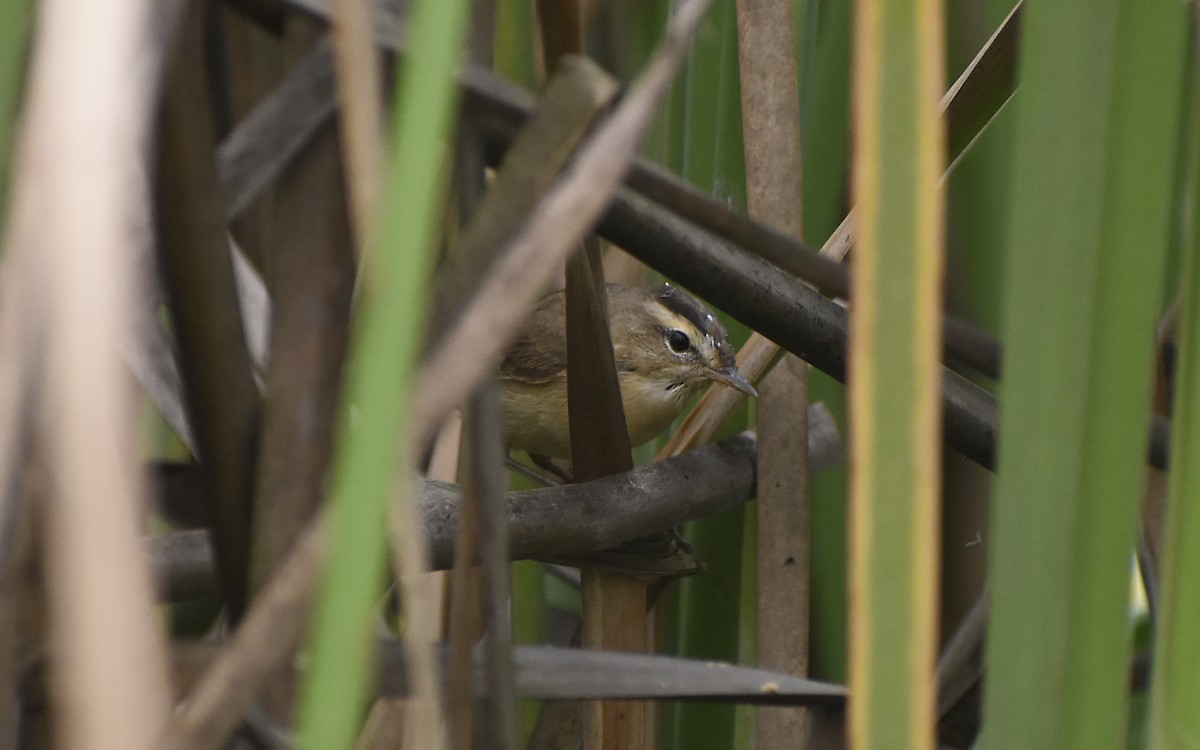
x: 669, y: 336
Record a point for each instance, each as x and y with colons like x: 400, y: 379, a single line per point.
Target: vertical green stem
x: 373, y: 441
x: 895, y: 373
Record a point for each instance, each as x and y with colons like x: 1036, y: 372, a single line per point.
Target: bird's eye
x: 678, y: 341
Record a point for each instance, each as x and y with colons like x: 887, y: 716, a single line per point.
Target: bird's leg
x: 533, y: 474
x: 549, y: 465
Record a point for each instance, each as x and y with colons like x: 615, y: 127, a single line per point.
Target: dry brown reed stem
x: 614, y: 606
x: 79, y: 181
x: 313, y: 280
x: 771, y: 134
x: 480, y: 585
x: 464, y: 621
x: 485, y: 483
x: 307, y: 256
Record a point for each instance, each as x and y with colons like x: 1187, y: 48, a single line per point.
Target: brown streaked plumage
x: 667, y: 346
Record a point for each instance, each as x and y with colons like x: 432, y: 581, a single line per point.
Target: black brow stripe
x: 684, y: 305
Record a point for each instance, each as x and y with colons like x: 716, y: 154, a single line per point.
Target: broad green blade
x: 708, y: 142
x: 1095, y: 138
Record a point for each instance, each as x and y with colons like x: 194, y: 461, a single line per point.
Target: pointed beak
x: 732, y: 378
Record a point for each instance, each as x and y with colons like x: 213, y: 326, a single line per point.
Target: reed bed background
x: 260, y: 258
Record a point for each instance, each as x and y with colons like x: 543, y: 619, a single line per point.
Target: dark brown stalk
x: 198, y: 275
x: 465, y: 620
x: 253, y: 66
x: 484, y: 486
x: 313, y: 278
x: 310, y: 264
x: 614, y: 605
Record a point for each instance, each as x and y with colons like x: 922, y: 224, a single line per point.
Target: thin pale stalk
x: 80, y: 179
x: 359, y: 86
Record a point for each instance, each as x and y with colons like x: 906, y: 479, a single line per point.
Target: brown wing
x: 539, y: 352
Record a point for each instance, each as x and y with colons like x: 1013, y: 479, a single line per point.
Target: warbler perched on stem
x: 667, y: 346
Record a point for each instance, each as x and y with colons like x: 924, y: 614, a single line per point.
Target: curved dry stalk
x: 266, y: 638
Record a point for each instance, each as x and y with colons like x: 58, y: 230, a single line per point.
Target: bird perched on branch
x: 667, y: 346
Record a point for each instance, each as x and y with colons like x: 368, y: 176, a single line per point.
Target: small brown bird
x: 667, y: 347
